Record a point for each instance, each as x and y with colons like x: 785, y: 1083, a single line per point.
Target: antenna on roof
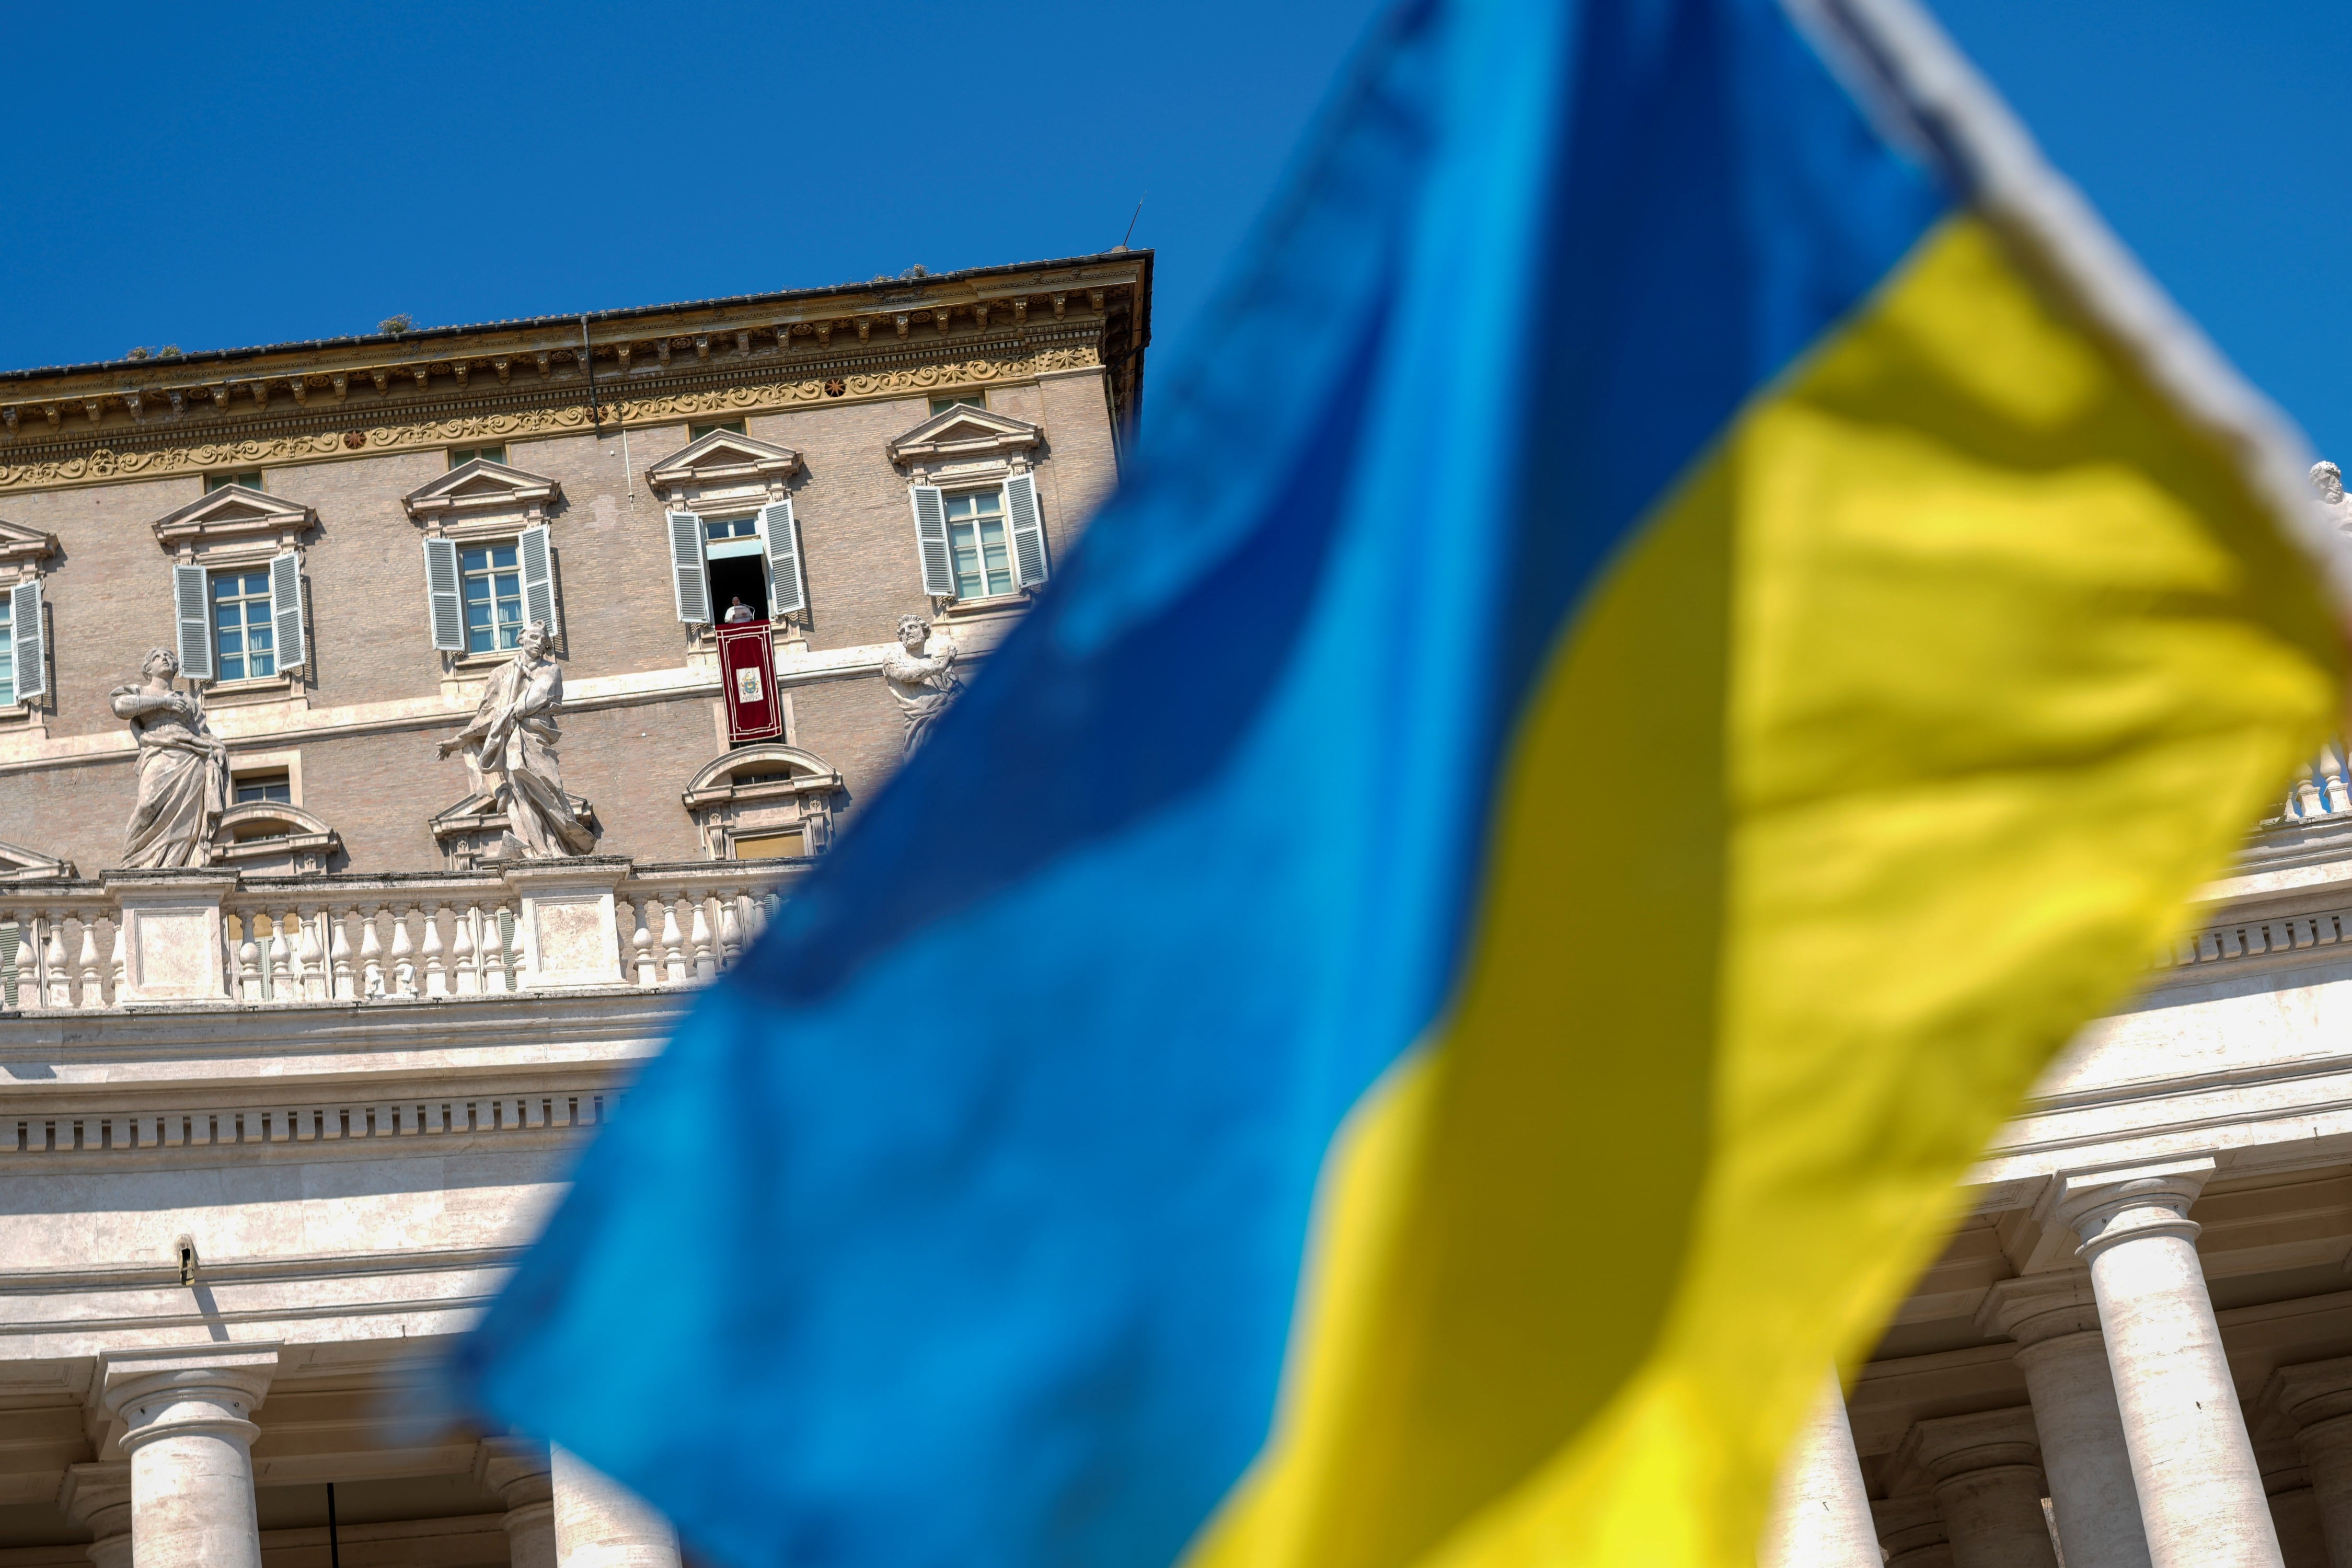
x: 1130, y: 222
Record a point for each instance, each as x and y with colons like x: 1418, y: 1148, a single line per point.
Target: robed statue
x: 923, y: 682
x: 182, y: 769
x: 511, y: 745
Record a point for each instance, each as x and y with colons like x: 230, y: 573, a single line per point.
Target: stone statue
x: 2329, y: 480
x: 512, y: 742
x: 183, y: 770
x: 922, y: 681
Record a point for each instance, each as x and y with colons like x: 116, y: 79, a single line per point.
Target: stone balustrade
x: 2322, y: 790
x: 209, y: 937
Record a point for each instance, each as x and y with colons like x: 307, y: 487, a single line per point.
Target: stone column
x: 100, y: 1497
x: 600, y: 1523
x: 1986, y: 1474
x: 2200, y: 1494
x: 186, y: 1428
x: 2054, y: 1319
x: 517, y: 1471
x: 1820, y: 1511
x: 2294, y: 1512
x: 2316, y: 1396
x: 1911, y: 1531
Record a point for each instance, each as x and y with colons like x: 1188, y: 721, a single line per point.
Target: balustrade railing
x: 81, y: 945
x: 2322, y: 791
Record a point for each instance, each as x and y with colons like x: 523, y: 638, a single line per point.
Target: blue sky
x: 218, y: 175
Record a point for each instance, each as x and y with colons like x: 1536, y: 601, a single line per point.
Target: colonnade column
x: 2054, y: 1319
x: 1821, y: 1510
x: 99, y: 1496
x: 517, y: 1471
x: 2200, y: 1494
x: 600, y: 1523
x: 2317, y: 1397
x: 188, y: 1432
x: 1986, y: 1473
x: 1911, y: 1529
x: 2295, y: 1511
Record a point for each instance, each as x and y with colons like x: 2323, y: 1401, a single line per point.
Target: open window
x: 734, y: 543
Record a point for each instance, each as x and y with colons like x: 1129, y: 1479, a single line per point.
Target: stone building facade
x: 274, y: 1124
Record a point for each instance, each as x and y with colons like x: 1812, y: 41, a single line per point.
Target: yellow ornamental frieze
x: 105, y: 464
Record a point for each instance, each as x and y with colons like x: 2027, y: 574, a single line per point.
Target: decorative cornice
x: 965, y: 432
x: 315, y: 436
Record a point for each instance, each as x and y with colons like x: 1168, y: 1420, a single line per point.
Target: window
x: 250, y: 479
x: 968, y: 399
x: 738, y: 562
x: 243, y: 644
x: 493, y: 578
x: 460, y: 456
x: 8, y: 653
x: 977, y: 545
x: 278, y: 786
x: 732, y: 426
x: 770, y: 846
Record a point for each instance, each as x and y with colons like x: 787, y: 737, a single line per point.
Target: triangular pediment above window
x: 21, y: 546
x: 481, y: 491
x: 18, y: 864
x: 234, y: 512
x: 960, y: 432
x: 723, y: 458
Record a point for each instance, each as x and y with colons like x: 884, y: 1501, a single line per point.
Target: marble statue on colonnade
x: 2329, y: 480
x: 182, y: 769
x: 510, y: 743
x: 923, y: 682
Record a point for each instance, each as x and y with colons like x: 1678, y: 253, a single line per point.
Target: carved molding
x: 479, y: 495
x: 233, y: 515
x: 962, y: 433
x: 105, y: 465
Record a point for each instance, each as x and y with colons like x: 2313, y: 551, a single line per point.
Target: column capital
x: 1910, y: 1524
x: 2311, y: 1392
x: 99, y: 1497
x: 1945, y: 1447
x: 176, y: 1389
x: 2104, y: 1207
x: 516, y: 1468
x: 2041, y: 1307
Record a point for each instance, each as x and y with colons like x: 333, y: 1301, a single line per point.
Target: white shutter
x: 690, y: 583
x: 931, y: 540
x: 189, y: 610
x: 1028, y: 529
x: 32, y: 649
x: 537, y: 578
x: 444, y: 602
x: 784, y: 589
x: 286, y: 610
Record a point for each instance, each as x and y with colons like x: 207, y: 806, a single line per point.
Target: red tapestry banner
x: 747, y: 672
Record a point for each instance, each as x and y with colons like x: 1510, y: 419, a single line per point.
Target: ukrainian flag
x: 1694, y: 617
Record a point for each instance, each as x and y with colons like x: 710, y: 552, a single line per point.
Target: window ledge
x: 253, y: 688
x: 1010, y: 604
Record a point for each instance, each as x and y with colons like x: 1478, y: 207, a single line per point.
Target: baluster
x: 495, y: 978
x: 249, y: 987
x: 277, y: 957
x: 648, y: 960
x: 53, y: 965
x: 403, y: 966
x: 731, y: 930
x: 673, y: 944
x: 2331, y: 765
x: 92, y: 997
x: 29, y: 961
x: 371, y: 952
x: 118, y: 963
x: 437, y: 972
x: 461, y: 951
x: 706, y: 956
x: 315, y: 984
x: 339, y: 956
x: 2305, y: 803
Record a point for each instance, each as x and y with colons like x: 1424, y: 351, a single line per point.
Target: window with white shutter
x: 189, y: 614
x: 286, y: 611
x: 688, y: 583
x: 1028, y: 529
x: 785, y: 591
x: 932, y: 541
x: 28, y: 649
x: 442, y: 605
x: 537, y: 578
